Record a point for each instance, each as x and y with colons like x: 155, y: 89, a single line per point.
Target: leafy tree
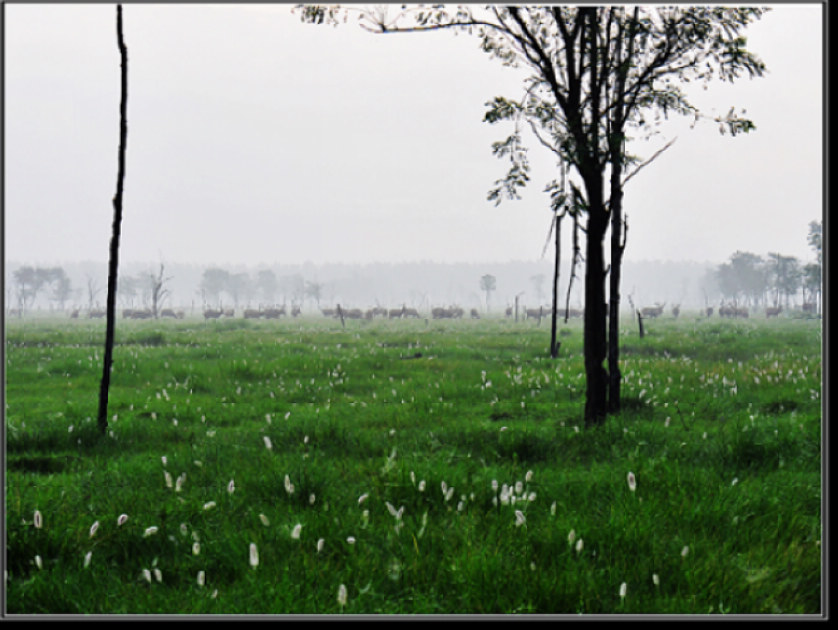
x: 267, y: 285
x: 816, y: 238
x: 28, y: 282
x: 62, y: 287
x: 812, y: 280
x: 214, y: 282
x: 596, y: 74
x: 744, y: 278
x: 238, y: 287
x: 488, y: 283
x: 128, y: 287
x: 785, y: 276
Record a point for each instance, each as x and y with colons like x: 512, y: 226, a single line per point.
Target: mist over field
x: 420, y: 285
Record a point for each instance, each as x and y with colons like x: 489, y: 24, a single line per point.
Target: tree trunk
x: 614, y: 375
x: 554, y: 345
x: 596, y: 400
x: 117, y: 222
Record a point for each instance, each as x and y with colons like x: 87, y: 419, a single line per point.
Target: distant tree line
x: 219, y: 286
x: 774, y: 280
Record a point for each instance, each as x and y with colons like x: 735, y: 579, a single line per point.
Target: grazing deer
x: 651, y: 312
x: 773, y: 311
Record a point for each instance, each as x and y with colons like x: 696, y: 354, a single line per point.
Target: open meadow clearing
x: 411, y: 467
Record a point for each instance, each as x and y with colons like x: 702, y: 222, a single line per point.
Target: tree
x: 214, y: 281
x: 267, y: 284
x: 596, y: 74
x: 127, y: 292
x: 785, y: 276
x: 816, y: 238
x: 157, y: 290
x: 488, y: 283
x: 28, y: 282
x: 60, y: 284
x: 117, y: 221
x: 238, y: 287
x: 93, y: 290
x: 315, y: 291
x: 813, y: 271
x: 743, y: 278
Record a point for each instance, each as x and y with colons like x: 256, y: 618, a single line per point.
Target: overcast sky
x: 256, y: 139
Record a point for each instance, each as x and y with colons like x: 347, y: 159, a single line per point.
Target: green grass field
x: 411, y: 467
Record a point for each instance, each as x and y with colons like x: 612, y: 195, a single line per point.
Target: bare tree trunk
x: 117, y: 222
x: 554, y: 345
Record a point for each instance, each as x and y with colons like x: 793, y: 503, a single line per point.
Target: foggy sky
x: 256, y: 139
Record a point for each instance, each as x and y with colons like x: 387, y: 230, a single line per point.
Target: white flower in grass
x: 254, y: 555
x: 444, y: 487
x: 528, y: 476
x: 37, y: 520
x: 295, y: 533
x: 196, y: 548
x: 655, y: 579
x: 685, y: 551
x: 362, y: 498
x: 179, y: 482
x: 350, y: 540
x: 146, y: 575
x: 150, y: 531
x: 579, y: 546
x: 168, y: 478
x: 93, y: 529
x: 397, y: 514
x: 38, y: 562
x: 571, y: 536
x: 553, y: 509
x: 264, y: 520
x: 421, y: 486
x: 623, y: 588
x: 735, y: 481
x: 342, y: 595
x: 267, y: 441
x: 202, y: 577
x: 231, y: 487
x: 632, y: 482
x: 163, y: 459
x: 289, y: 487
x: 519, y: 487
x: 449, y: 494
x: 412, y: 478
x: 87, y: 557
x: 120, y: 521
x: 320, y: 543
x: 158, y: 575
x: 311, y: 499
x: 520, y: 519
x: 209, y: 505
x: 494, y: 485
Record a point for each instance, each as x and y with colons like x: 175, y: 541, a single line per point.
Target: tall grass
x: 427, y: 467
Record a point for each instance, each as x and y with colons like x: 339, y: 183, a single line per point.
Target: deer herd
x: 439, y: 312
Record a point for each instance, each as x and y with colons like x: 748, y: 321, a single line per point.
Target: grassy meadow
x: 411, y: 467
